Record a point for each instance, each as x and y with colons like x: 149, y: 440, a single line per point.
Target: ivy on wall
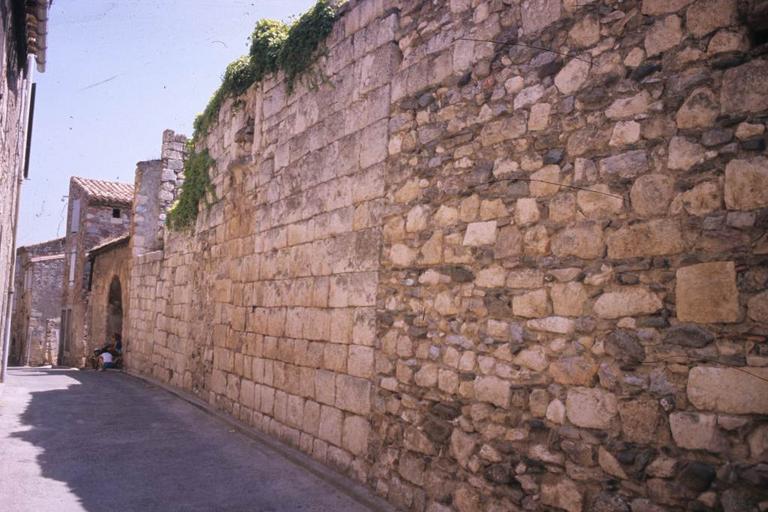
x: 275, y: 46
x: 197, y: 183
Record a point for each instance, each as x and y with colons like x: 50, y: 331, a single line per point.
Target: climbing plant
x: 275, y: 46
x: 197, y: 183
x: 304, y: 37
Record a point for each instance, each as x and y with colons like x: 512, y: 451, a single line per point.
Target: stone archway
x: 114, y: 310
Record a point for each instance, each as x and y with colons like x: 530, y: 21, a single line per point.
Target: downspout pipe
x: 12, y: 269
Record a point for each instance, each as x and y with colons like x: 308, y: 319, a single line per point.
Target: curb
x: 351, y: 488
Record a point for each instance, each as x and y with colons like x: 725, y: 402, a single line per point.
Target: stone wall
x: 13, y: 96
x: 108, y: 301
x: 88, y: 224
x: 37, y: 306
x: 485, y: 276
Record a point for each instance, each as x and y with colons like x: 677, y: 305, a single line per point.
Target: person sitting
x: 105, y: 361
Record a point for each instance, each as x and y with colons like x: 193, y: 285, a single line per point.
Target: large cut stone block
x: 746, y: 184
x: 695, y: 431
x: 729, y: 390
x: 627, y: 301
x: 706, y: 293
x: 652, y: 238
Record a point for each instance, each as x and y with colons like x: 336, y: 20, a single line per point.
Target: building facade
x: 37, y: 304
x: 108, y: 286
x: 97, y: 211
x: 23, y: 29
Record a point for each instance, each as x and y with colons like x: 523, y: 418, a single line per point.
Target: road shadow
x: 120, y: 444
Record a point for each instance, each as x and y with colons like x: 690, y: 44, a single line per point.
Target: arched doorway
x: 114, y: 310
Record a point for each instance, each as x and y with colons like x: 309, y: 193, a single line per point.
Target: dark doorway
x: 114, y: 310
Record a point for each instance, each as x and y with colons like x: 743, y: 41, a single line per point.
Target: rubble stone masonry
x: 492, y: 277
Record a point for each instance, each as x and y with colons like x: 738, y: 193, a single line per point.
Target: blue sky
x: 119, y: 72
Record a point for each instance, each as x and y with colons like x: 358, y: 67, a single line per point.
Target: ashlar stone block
x: 707, y: 293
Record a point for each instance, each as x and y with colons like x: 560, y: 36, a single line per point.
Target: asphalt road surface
x: 105, y: 441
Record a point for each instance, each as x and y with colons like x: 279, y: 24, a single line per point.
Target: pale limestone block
x: 665, y: 34
x: 627, y: 301
x: 746, y: 184
x: 480, y: 233
x: 729, y: 390
x: 707, y: 293
x: 652, y: 238
x: 591, y: 407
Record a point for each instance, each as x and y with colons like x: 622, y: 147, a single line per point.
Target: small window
x: 115, y: 213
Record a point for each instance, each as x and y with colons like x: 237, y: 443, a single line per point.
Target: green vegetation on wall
x: 197, y: 183
x: 275, y: 46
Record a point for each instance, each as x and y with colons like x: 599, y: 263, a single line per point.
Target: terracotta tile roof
x: 106, y: 191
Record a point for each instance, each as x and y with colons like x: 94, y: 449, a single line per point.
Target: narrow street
x: 88, y: 441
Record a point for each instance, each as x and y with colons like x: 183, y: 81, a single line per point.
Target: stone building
x: 23, y: 30
x: 97, y: 211
x: 109, y: 264
x: 505, y: 256
x: 37, y: 304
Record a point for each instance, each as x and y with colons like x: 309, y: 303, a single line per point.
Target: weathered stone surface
x: 746, y: 184
x: 625, y: 108
x: 493, y: 390
x: 590, y: 407
x: 539, y: 117
x: 758, y: 443
x: 556, y: 412
x: 656, y: 7
x: 729, y: 390
x: 625, y: 133
x: 684, y: 154
x: 573, y: 76
x: 585, y: 32
x: 696, y: 476
x: 706, y: 293
x: 533, y: 358
x: 545, y: 181
x: 692, y: 336
x: 627, y: 301
x: 568, y: 299
x: 576, y: 370
x: 757, y: 307
x: 639, y: 420
x: 706, y: 16
x: 526, y: 211
x: 695, y: 431
x: 598, y: 201
x: 462, y: 446
x: 726, y: 41
x: 652, y: 238
x: 625, y: 165
x: 702, y: 199
x: 583, y: 241
x: 624, y: 346
x: 609, y: 464
x: 563, y: 494
x: 699, y: 110
x: 509, y: 242
x: 531, y: 305
x: 742, y: 89
x: 651, y: 194
x: 539, y: 14
x: 665, y: 33
x: 480, y: 233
